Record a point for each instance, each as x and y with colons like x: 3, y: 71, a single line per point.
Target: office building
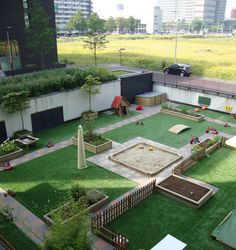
x: 65, y: 9
x: 233, y: 13
x: 14, y: 18
x: 157, y: 20
x: 209, y: 11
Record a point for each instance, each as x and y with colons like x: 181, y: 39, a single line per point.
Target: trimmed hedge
x: 52, y: 81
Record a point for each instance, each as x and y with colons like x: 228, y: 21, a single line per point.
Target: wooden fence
x: 112, y: 212
x: 122, y: 206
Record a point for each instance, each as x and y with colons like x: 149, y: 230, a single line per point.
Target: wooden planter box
x: 90, y: 116
x: 209, y: 150
x: 95, y: 149
x: 91, y: 209
x: 11, y: 156
x: 186, y: 116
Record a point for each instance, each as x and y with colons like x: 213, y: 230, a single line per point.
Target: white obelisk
x: 81, y: 153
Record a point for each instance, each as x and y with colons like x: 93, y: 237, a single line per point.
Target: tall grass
x: 211, y: 56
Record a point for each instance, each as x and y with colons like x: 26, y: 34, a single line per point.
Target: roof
x: 117, y: 101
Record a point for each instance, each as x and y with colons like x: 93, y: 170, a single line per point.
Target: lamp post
x: 176, y: 30
x: 10, y: 50
x: 121, y: 58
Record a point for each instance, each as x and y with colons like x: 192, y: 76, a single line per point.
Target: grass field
x: 212, y: 56
x: 156, y: 128
x: 43, y: 183
x: 146, y: 224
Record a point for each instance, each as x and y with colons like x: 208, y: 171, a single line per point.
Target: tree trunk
x: 95, y: 55
x: 42, y: 60
x: 22, y: 120
x: 90, y: 104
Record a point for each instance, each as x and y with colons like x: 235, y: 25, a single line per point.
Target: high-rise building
x: 209, y: 11
x: 14, y: 54
x: 157, y: 20
x: 64, y: 9
x: 233, y: 13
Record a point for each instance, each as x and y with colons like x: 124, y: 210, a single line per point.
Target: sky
x: 138, y: 8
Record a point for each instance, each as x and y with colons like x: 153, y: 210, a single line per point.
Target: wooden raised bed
x: 11, y: 156
x: 197, y: 118
x: 210, y: 148
x: 187, y: 192
x: 95, y: 149
x: 48, y: 218
x: 90, y: 116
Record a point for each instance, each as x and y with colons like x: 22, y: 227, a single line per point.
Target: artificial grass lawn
x: 43, y: 183
x: 210, y: 113
x: 69, y: 129
x: 156, y: 128
x: 15, y: 236
x: 146, y: 224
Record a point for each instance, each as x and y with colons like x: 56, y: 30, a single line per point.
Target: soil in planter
x: 94, y: 139
x: 185, y: 188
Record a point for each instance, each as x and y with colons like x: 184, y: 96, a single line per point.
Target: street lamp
x: 176, y: 30
x: 121, y: 58
x: 10, y: 50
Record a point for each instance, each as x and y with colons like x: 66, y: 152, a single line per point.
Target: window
x: 26, y: 13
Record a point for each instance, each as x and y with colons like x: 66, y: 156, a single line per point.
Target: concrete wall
x: 191, y: 97
x: 74, y: 103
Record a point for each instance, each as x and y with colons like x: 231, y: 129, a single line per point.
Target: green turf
x: 156, y: 128
x: 146, y: 224
x: 210, y: 113
x: 15, y: 236
x: 43, y: 183
x: 69, y: 129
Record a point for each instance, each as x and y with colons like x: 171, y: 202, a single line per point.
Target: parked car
x: 178, y: 69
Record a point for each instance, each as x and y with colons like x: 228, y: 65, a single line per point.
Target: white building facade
x: 209, y: 11
x: 64, y: 9
x: 157, y: 20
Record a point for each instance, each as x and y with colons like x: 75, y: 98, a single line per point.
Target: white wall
x: 191, y: 97
x: 74, y: 103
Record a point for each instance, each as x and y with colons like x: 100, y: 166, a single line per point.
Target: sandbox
x: 145, y: 158
x: 181, y: 189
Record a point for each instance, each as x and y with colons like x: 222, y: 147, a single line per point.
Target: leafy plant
x: 77, y: 192
x: 6, y: 211
x: 7, y: 147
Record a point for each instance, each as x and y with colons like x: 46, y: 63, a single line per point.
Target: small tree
x: 16, y: 101
x: 110, y: 24
x: 39, y: 36
x: 70, y: 230
x: 77, y: 22
x: 92, y: 87
x: 96, y: 39
x: 196, y: 25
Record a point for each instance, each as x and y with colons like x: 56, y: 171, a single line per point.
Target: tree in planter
x: 16, y: 101
x: 96, y: 39
x: 91, y: 87
x: 39, y: 36
x: 67, y: 233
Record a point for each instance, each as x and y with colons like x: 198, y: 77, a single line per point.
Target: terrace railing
x: 5, y: 244
x: 216, y: 86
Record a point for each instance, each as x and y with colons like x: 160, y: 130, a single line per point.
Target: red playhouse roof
x: 116, y: 102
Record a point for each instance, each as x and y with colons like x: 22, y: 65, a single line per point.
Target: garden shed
x: 121, y: 105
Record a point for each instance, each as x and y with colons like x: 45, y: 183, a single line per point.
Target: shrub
x: 7, y: 147
x: 94, y: 196
x: 77, y: 192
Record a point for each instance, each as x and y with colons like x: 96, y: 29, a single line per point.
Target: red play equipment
x: 6, y: 166
x: 196, y: 110
x: 204, y: 107
x: 212, y: 130
x: 139, y: 107
x: 194, y: 140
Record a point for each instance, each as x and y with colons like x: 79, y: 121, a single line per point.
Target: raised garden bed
x: 210, y: 147
x: 89, y: 116
x: 11, y: 155
x: 27, y: 140
x: 95, y: 149
x: 179, y: 113
x: 48, y: 218
x: 185, y: 191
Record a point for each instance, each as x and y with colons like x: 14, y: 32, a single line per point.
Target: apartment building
x: 64, y: 9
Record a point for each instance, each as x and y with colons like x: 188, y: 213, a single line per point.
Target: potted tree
x: 92, y: 88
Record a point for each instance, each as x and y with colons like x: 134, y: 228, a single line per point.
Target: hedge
x: 46, y: 82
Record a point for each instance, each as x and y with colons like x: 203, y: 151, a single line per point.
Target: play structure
x: 194, y: 140
x: 150, y: 98
x: 139, y: 107
x: 178, y: 128
x: 120, y: 105
x: 226, y: 230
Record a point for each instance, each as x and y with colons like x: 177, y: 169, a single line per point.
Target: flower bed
x: 9, y: 151
x: 182, y: 113
x: 95, y: 147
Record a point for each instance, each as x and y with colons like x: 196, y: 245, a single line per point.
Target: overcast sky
x: 137, y: 8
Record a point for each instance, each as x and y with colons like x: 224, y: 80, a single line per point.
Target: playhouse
x: 120, y: 105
